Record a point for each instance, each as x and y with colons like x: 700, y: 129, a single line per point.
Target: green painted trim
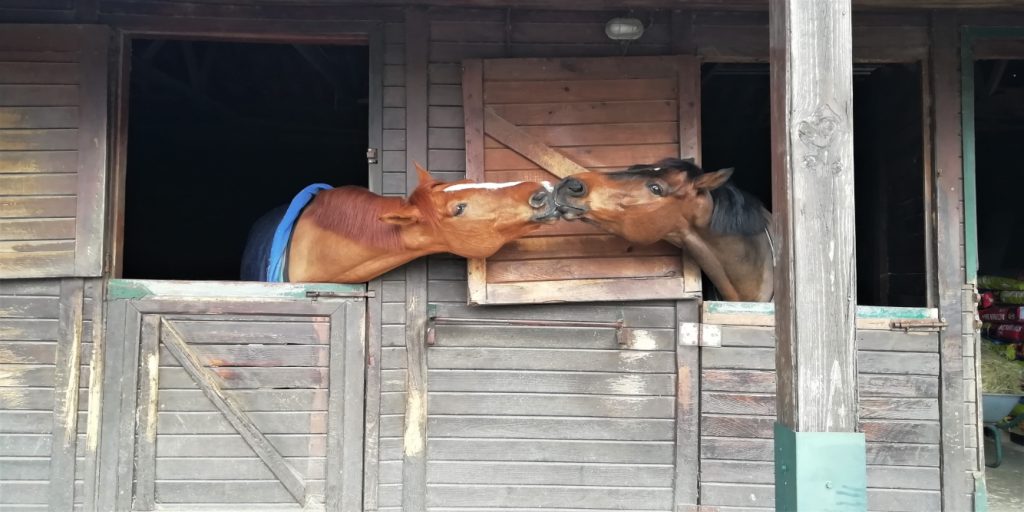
x: 820, y: 471
x: 768, y: 308
x: 980, y: 492
x: 968, y: 37
x: 133, y: 289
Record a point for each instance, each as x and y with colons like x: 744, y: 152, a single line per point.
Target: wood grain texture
x: 944, y: 70
x: 812, y: 190
x: 66, y: 395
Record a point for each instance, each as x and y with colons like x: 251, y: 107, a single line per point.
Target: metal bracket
x: 310, y: 294
x: 371, y: 155
x: 692, y: 334
x: 621, y: 331
x: 919, y: 325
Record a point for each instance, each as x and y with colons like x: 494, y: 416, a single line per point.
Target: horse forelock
x: 736, y: 212
x: 354, y: 212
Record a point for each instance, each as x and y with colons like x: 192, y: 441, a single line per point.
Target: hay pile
x: 999, y: 374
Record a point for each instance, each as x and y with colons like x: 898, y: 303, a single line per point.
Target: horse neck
x: 741, y: 267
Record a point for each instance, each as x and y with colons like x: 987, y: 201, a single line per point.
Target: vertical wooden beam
x: 98, y: 314
x: 146, y: 414
x: 345, y: 408
x: 371, y: 427
x: 945, y: 80
x: 687, y: 463
x: 819, y: 458
x: 65, y: 389
x: 106, y: 443
x: 414, y: 461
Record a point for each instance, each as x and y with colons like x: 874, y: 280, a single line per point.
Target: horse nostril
x: 539, y: 199
x: 576, y: 188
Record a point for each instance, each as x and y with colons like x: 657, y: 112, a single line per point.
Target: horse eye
x: 459, y: 209
x: 655, y: 189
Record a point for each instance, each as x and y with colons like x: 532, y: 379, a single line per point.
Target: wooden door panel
x: 544, y: 119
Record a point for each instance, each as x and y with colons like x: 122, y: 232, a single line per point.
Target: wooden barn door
x: 233, y: 400
x: 545, y: 119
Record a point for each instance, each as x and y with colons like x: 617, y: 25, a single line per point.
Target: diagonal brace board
x: 210, y: 384
x: 529, y: 146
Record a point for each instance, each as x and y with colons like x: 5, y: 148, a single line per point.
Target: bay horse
x: 726, y: 230
x: 351, y: 235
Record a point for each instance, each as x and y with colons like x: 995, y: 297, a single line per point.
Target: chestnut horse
x: 351, y: 235
x: 726, y: 230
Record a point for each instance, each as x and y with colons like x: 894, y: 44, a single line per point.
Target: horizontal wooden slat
x: 550, y: 114
x: 551, y: 359
x: 232, y: 468
x: 38, y: 184
x: 579, y: 91
x: 56, y: 162
x: 893, y: 477
x: 761, y: 427
x: 583, y: 268
x: 587, y: 156
x: 41, y: 73
x: 632, y: 314
x: 548, y: 496
x: 762, y: 381
x: 737, y: 495
x: 38, y: 117
x: 43, y: 95
x: 27, y: 307
x: 540, y: 428
x: 34, y: 262
x: 232, y: 445
x: 245, y: 332
x: 867, y: 362
x: 576, y: 246
x: 870, y: 408
x: 586, y: 290
x: 41, y: 139
x: 538, y: 473
x: 267, y: 422
x: 25, y: 445
x: 896, y: 341
x: 517, y: 381
x: 250, y: 400
x: 258, y: 355
x: 249, y: 378
x: 607, y: 134
x: 28, y: 329
x: 539, y: 450
x: 32, y: 352
x: 551, y: 337
x: 888, y: 454
x: 903, y: 500
x: 546, y: 69
x: 38, y: 206
x: 520, y: 404
x: 227, y: 491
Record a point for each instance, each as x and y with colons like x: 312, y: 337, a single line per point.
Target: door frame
x: 970, y: 35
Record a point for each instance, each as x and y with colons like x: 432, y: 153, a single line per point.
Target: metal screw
x: 828, y: 484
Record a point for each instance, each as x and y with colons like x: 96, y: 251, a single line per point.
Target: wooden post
x: 819, y: 459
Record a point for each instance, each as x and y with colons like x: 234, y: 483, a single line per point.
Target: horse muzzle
x: 544, y: 201
x: 567, y: 191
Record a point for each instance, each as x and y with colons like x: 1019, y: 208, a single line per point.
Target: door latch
x: 371, y: 155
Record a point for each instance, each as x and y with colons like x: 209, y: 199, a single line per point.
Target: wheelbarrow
x: 995, y: 408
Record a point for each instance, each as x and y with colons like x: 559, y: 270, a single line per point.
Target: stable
x: 570, y: 371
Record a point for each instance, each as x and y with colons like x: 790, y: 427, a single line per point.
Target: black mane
x: 736, y: 212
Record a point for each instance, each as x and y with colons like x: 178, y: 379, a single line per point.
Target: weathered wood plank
x: 568, y: 91
x: 903, y: 500
x: 616, y: 156
x: 518, y: 381
x: 38, y: 95
x: 541, y: 450
x: 66, y: 392
x: 210, y: 385
x: 547, y: 496
x: 551, y: 337
x: 517, y: 404
x: 274, y: 422
x: 251, y: 332
x: 37, y: 206
x: 527, y: 145
x: 232, y: 445
x: 146, y: 413
x: 738, y: 495
x: 250, y: 378
x: 544, y: 428
x: 346, y: 419
x: 650, y: 315
x: 251, y: 400
x: 37, y: 229
x: 606, y: 68
x: 39, y: 117
x: 552, y: 114
x: 258, y: 355
x: 547, y: 473
x: 39, y: 73
x: 233, y: 468
x: 228, y: 491
x: 525, y: 271
x: 551, y: 359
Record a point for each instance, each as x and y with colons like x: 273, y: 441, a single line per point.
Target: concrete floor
x: 1006, y: 483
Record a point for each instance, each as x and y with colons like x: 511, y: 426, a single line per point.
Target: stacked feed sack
x: 1002, y: 349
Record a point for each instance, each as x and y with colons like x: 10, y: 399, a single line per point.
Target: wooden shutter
x: 544, y: 119
x: 53, y: 145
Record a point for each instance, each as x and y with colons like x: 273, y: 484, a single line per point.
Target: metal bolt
x: 828, y: 484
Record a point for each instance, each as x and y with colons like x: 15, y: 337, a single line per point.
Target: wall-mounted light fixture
x: 624, y: 29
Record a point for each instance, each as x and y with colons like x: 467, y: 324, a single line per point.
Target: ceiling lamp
x: 624, y: 29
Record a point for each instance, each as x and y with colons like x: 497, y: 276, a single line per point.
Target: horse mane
x: 354, y: 212
x: 736, y: 212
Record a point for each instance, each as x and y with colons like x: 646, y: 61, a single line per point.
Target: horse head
x: 471, y: 219
x: 644, y: 202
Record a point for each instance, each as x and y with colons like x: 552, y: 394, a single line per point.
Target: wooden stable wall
x: 423, y: 120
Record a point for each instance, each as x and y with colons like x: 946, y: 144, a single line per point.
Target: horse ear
x: 712, y: 180
x: 403, y: 216
x: 424, y: 175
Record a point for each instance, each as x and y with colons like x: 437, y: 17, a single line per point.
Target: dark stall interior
x: 221, y: 132
x: 888, y: 138
x: 999, y: 132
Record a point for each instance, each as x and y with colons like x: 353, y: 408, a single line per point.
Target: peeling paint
x: 642, y: 339
x: 629, y: 385
x: 415, y: 413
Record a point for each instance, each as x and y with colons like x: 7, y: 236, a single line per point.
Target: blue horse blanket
x: 266, y: 250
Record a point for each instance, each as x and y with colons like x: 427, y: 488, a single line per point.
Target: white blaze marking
x: 480, y: 186
x: 547, y: 186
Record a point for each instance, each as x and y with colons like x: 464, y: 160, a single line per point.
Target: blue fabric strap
x: 283, y: 233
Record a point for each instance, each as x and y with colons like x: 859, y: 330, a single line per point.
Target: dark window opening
x: 998, y: 132
x: 221, y: 132
x: 889, y: 171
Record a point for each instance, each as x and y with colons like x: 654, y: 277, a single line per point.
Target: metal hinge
x: 692, y: 334
x: 310, y: 294
x: 371, y: 155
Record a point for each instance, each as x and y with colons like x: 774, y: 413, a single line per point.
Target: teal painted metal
x: 817, y: 471
x: 980, y: 492
x: 768, y: 308
x: 142, y: 289
x: 968, y: 37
